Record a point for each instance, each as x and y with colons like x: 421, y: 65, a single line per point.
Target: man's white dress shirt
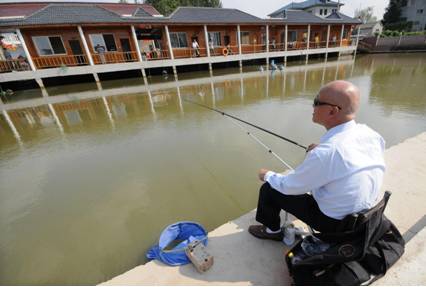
x: 344, y: 172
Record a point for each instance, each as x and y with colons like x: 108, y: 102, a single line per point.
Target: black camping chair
x: 356, y: 233
x: 366, y: 245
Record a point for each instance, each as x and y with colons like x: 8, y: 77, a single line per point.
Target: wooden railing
x: 334, y: 44
x: 296, y: 45
x: 255, y: 48
x: 114, y: 57
x: 189, y: 53
x: 14, y: 65
x: 59, y: 61
x: 276, y: 47
x: 155, y: 55
x: 317, y: 44
x: 55, y: 61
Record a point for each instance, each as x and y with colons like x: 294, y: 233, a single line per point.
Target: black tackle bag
x: 365, y: 247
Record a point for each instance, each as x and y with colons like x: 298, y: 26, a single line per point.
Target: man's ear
x: 333, y: 111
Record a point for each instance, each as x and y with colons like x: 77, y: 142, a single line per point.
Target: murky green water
x: 89, y: 179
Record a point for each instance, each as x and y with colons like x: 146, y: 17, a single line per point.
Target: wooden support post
x: 135, y: 39
x: 145, y: 80
x: 169, y: 44
x: 239, y: 39
x: 307, y: 44
x: 341, y: 37
x: 328, y: 40
x: 40, y: 83
x: 285, y: 44
x: 27, y: 53
x: 267, y: 45
x: 86, y: 47
x: 206, y: 37
x: 357, y: 40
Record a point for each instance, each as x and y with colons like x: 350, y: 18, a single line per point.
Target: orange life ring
x: 225, y: 52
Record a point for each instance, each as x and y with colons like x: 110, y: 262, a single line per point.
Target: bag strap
x: 358, y: 270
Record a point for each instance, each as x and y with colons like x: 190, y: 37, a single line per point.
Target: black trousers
x: 304, y: 207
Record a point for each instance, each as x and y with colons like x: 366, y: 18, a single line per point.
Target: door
x: 227, y: 40
x: 125, y: 47
x: 77, y: 51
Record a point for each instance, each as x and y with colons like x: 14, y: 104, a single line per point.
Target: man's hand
x: 311, y: 147
x: 262, y: 173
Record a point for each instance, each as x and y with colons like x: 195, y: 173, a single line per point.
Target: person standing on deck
x: 101, y: 51
x: 196, y: 48
x: 344, y: 172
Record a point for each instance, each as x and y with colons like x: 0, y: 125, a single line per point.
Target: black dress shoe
x: 259, y: 231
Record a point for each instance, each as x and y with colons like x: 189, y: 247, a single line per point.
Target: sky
x: 264, y: 7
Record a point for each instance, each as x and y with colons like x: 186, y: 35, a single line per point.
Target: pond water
x: 89, y: 178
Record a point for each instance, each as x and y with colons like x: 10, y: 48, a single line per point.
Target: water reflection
x: 90, y: 178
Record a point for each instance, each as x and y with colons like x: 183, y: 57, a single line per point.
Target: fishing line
x: 264, y: 145
x: 256, y: 139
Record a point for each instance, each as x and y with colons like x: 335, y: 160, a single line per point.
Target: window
x: 419, y: 11
x: 49, y: 45
x: 292, y: 36
x: 104, y: 40
x: 321, y: 11
x: 325, y: 12
x: 245, y: 38
x: 109, y: 42
x: 214, y: 39
x: 334, y: 10
x: 178, y: 40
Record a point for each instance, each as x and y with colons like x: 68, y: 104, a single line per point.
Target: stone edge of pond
x: 240, y: 259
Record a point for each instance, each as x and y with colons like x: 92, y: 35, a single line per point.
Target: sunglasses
x: 319, y: 103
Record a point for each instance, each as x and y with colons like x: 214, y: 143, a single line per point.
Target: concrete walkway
x: 241, y: 259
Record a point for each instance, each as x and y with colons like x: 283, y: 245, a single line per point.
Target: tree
x: 365, y: 15
x: 392, y: 19
x: 166, y: 7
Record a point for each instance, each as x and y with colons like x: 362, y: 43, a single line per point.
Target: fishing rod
x: 260, y: 142
x: 250, y: 124
x: 257, y: 140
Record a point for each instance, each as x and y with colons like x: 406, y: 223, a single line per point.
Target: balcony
x: 14, y: 65
x: 157, y: 54
x: 114, y: 57
x: 189, y: 53
x: 45, y: 62
x: 63, y: 61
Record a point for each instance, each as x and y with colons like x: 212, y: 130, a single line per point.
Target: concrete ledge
x: 241, y: 259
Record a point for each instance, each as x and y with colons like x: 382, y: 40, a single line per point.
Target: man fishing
x: 339, y: 176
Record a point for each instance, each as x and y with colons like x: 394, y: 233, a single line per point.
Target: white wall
x: 412, y: 14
